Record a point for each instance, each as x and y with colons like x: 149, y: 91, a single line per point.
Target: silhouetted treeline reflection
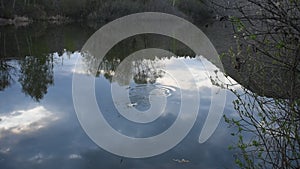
x: 36, y: 46
x: 143, y: 68
x: 26, y: 54
x: 34, y: 74
x: 7, y: 72
x: 41, y: 39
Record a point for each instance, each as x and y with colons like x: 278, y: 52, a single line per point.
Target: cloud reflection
x: 75, y: 156
x: 39, y: 158
x: 20, y: 121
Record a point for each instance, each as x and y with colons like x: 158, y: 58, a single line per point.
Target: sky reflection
x: 47, y: 134
x: 21, y: 121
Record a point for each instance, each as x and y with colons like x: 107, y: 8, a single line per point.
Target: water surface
x: 39, y: 127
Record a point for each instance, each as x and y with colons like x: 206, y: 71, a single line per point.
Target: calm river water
x: 39, y: 126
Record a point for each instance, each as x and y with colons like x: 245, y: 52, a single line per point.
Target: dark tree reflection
x: 36, y: 76
x: 6, y: 74
x: 142, y: 69
x: 146, y: 71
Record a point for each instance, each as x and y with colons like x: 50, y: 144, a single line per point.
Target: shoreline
x: 25, y: 21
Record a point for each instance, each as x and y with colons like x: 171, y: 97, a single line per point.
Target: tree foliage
x: 36, y: 76
x: 103, y: 10
x: 267, y: 33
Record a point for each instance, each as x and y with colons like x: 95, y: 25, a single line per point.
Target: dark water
x: 39, y: 127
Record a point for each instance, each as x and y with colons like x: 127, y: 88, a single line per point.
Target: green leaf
x: 280, y: 45
x: 253, y: 37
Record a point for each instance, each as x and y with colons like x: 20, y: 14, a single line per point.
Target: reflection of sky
x: 21, y: 121
x: 47, y: 134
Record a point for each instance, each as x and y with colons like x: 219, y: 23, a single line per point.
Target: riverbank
x: 17, y: 20
x: 25, y: 21
x: 100, y: 11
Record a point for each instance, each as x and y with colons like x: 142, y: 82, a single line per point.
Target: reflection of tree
x: 146, y: 71
x: 35, y: 40
x: 36, y: 76
x: 142, y: 70
x: 6, y: 74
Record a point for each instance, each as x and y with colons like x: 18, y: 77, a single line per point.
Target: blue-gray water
x: 47, y: 134
x: 39, y: 127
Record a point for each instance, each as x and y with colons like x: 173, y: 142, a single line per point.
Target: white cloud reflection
x: 75, y: 156
x: 201, y: 69
x: 4, y: 150
x: 40, y: 158
x: 26, y: 120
